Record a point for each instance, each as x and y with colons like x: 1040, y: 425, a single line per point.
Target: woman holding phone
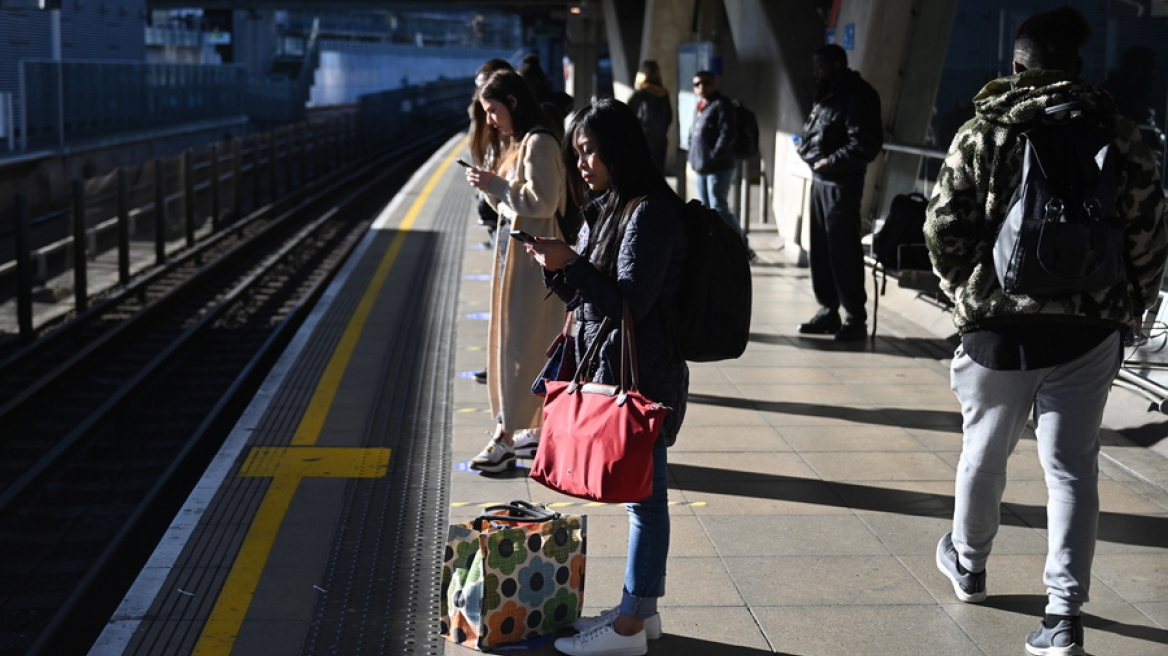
x: 630, y: 251
x: 525, y: 185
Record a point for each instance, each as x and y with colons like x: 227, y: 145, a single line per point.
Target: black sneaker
x: 1063, y: 639
x: 480, y: 377
x: 968, y: 586
x: 825, y: 322
x: 852, y: 332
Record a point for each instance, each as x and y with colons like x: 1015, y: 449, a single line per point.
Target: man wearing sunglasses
x: 711, y: 147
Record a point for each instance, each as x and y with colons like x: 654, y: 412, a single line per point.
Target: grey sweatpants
x: 995, y: 406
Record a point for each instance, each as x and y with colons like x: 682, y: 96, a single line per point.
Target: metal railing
x: 123, y: 222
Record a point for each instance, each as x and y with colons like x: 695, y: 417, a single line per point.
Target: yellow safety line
x: 223, y: 625
x: 326, y: 391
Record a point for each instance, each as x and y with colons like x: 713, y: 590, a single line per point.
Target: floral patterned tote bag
x: 512, y: 575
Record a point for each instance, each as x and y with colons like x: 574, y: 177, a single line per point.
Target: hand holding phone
x: 522, y: 236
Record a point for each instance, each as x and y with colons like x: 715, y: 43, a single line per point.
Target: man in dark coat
x: 711, y: 147
x: 842, y: 134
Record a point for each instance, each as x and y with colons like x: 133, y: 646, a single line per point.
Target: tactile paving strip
x: 383, y: 577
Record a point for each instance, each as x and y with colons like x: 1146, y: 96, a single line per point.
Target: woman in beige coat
x: 527, y: 189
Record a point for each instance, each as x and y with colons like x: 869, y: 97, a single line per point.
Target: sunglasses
x: 700, y: 83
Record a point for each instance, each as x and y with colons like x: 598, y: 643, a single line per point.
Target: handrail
x: 924, y: 151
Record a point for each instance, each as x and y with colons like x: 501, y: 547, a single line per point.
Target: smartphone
x: 463, y: 162
x: 523, y: 236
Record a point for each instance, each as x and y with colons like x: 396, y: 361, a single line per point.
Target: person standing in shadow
x: 842, y: 135
x: 650, y: 102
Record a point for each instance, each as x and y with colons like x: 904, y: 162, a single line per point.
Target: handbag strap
x: 627, y: 380
x: 518, y: 511
x: 629, y: 350
x: 589, y: 354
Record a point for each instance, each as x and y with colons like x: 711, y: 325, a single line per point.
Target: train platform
x: 808, y: 486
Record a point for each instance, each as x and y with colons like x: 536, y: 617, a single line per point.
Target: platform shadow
x: 1118, y: 528
x: 901, y: 417
x: 1034, y: 605
x: 679, y: 645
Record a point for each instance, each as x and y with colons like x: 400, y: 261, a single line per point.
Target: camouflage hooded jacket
x: 974, y: 189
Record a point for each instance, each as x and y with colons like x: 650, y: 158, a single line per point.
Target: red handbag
x: 597, y: 440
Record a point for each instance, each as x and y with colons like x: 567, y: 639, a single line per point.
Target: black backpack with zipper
x: 899, y: 244
x: 1062, y: 234
x: 711, y: 319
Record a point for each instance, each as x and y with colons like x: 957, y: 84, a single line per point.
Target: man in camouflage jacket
x: 974, y: 189
x: 1057, y: 354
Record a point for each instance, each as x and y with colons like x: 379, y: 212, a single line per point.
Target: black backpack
x: 712, y: 314
x: 746, y: 143
x: 1061, y: 234
x: 900, y: 242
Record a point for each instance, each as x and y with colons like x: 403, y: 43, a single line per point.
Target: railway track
x: 107, y: 422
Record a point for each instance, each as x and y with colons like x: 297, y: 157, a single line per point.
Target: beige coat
x: 523, y: 321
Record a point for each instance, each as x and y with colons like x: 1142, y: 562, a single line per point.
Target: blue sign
x: 829, y: 35
x: 849, y: 37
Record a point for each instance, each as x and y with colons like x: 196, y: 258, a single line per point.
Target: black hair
x: 533, y: 72
x: 832, y: 53
x: 1051, y: 40
x: 621, y: 145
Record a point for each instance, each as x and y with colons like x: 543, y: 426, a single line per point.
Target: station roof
x: 550, y: 8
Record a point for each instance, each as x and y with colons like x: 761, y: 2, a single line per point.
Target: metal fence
x: 64, y: 102
x: 117, y: 224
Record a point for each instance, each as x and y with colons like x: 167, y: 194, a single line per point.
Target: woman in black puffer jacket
x: 631, y: 249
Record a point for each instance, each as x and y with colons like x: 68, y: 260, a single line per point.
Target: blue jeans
x: 648, y: 544
x: 714, y: 192
x: 995, y: 405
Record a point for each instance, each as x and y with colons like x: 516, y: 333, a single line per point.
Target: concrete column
x: 667, y: 24
x: 623, y: 23
x: 773, y: 43
x: 900, y: 48
x: 582, y: 48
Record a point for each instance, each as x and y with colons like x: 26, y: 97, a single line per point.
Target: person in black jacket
x: 630, y: 249
x: 650, y: 101
x: 711, y: 147
x: 841, y: 136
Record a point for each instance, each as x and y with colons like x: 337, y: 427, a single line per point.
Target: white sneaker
x: 652, y: 623
x: 497, y: 456
x: 603, y: 640
x: 526, y: 442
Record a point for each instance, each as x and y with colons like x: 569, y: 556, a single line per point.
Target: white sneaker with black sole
x: 526, y: 442
x: 496, y: 457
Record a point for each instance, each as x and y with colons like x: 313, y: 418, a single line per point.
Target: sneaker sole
x: 526, y: 452
x: 508, y: 463
x: 961, y: 594
x: 1073, y: 650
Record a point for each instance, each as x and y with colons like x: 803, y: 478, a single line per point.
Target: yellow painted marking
x: 326, y: 390
x: 287, y: 466
x: 316, y: 462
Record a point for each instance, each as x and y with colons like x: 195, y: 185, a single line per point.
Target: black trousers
x: 837, y: 257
